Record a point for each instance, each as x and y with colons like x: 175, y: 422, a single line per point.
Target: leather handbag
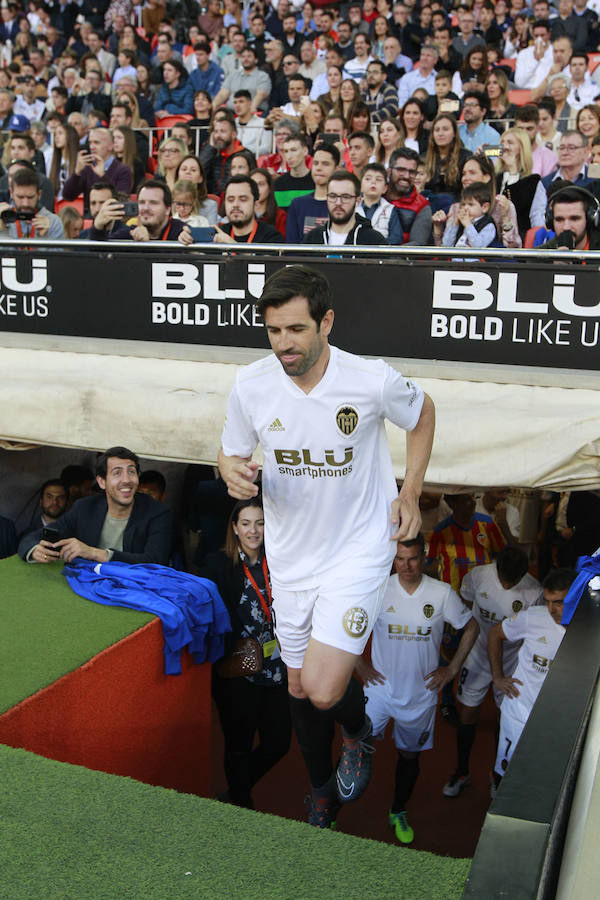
x: 246, y: 658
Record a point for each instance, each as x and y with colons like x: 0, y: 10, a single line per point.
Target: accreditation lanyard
x: 19, y: 231
x: 252, y: 580
x: 166, y: 234
x: 250, y: 237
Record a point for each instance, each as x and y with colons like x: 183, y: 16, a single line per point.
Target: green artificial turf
x: 47, y: 630
x: 68, y: 832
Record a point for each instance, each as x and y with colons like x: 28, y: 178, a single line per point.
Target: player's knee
x: 295, y: 688
x: 324, y: 696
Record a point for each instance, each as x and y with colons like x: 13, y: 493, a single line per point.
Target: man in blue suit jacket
x: 118, y: 524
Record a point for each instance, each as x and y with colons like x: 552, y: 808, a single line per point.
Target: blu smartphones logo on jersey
x: 561, y: 321
x: 541, y: 663
x: 300, y: 462
x: 405, y: 633
x: 23, y: 297
x: 175, y: 287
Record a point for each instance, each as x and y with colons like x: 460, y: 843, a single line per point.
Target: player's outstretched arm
x: 437, y: 679
x: 508, y: 686
x: 239, y: 475
x: 406, y: 514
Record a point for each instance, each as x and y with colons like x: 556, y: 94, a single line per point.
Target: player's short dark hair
x: 153, y: 476
x: 512, y: 564
x: 242, y: 93
x: 479, y: 191
x: 52, y: 482
x: 26, y: 138
x: 363, y: 136
x: 300, y: 138
x: 418, y: 541
x: 559, y: 579
x: 297, y: 281
x: 328, y: 148
x: 244, y: 179
x: 161, y: 185
x: 116, y: 453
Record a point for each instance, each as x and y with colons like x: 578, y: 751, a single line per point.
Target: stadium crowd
x: 417, y: 123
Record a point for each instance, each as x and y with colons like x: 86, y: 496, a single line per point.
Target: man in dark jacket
x: 154, y: 220
x: 241, y: 195
x: 99, y: 164
x: 118, y: 524
x: 215, y: 154
x: 574, y: 213
x: 345, y: 227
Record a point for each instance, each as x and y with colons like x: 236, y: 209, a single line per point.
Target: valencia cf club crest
x: 428, y: 610
x: 346, y: 419
x: 517, y: 606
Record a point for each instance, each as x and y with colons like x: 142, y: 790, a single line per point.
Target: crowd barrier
x: 532, y: 308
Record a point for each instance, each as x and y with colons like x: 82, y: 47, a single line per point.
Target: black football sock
x: 407, y: 772
x: 465, y: 735
x: 314, y: 730
x: 350, y: 710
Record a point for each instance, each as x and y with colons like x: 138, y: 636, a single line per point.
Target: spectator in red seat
x: 97, y: 164
x: 215, y: 155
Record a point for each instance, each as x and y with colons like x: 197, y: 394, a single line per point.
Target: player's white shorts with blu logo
x: 413, y: 726
x: 340, y: 616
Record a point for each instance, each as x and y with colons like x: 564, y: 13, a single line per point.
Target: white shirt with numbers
x: 541, y: 637
x: 407, y: 637
x: 492, y: 603
x: 328, y: 482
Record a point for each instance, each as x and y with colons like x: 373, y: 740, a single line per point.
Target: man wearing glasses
x: 344, y: 225
x: 572, y: 166
x: 474, y: 132
x: 411, y: 221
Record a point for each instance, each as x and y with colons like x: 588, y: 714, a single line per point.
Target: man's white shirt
x: 328, y: 482
x: 529, y: 71
x: 407, y: 637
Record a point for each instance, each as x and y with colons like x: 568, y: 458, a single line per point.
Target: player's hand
x: 508, y: 686
x: 45, y: 552
x: 406, y: 517
x: 367, y: 673
x: 239, y: 475
x: 439, y: 678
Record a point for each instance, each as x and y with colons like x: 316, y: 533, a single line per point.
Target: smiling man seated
x: 119, y: 523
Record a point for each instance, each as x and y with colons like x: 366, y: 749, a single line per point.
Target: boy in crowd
x: 373, y: 206
x: 475, y: 226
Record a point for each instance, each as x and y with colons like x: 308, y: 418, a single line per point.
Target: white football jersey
x: 328, y: 482
x: 408, y: 633
x: 493, y: 603
x: 541, y: 638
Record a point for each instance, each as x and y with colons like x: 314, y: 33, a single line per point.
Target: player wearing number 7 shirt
x: 329, y: 494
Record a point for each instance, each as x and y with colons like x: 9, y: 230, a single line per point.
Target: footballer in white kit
x: 493, y: 591
x: 332, y: 511
x: 541, y: 634
x: 403, y: 678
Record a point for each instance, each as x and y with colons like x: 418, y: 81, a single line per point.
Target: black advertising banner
x: 511, y: 312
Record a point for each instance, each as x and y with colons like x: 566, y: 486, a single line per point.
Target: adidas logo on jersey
x: 276, y: 426
x: 542, y: 640
x: 390, y: 609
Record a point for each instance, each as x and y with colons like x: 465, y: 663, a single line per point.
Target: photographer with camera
x: 24, y: 217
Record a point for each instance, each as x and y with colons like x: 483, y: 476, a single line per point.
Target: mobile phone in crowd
x: 203, y: 235
x: 491, y: 151
x: 50, y: 534
x: 130, y: 209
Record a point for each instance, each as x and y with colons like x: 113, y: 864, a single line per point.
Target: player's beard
x: 342, y: 217
x: 306, y: 361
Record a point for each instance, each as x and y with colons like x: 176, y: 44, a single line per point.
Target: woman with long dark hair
x: 266, y: 209
x: 445, y: 157
x: 257, y: 703
x: 413, y: 119
x: 126, y: 151
x: 64, y: 157
x: 191, y: 169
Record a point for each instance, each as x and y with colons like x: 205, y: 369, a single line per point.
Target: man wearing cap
x: 26, y: 103
x: 176, y: 94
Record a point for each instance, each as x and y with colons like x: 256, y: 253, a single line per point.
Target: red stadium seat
x: 519, y: 96
x: 77, y: 204
x: 593, y: 62
x: 168, y: 122
x: 509, y: 63
x: 214, y: 197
